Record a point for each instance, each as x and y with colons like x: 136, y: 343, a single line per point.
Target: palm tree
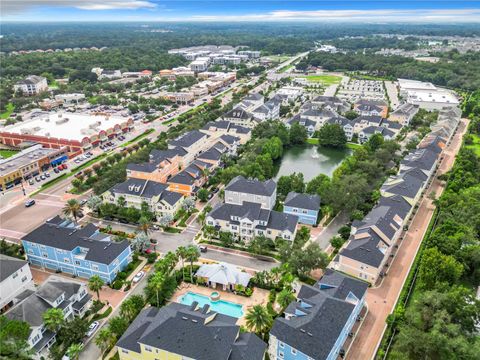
x: 258, y: 319
x: 128, y: 309
x: 95, y: 283
x: 182, y: 255
x: 73, y: 208
x: 73, y: 352
x: 53, y: 318
x: 94, y: 203
x: 192, y: 255
x: 104, y: 339
x: 156, y: 283
x: 284, y: 298
x: 144, y: 225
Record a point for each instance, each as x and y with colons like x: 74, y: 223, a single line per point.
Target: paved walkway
x: 392, y: 94
x: 381, y: 300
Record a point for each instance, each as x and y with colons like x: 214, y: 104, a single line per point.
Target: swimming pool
x: 220, y: 306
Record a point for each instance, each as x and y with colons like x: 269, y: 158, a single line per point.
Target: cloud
x: 9, y: 7
x: 383, y: 15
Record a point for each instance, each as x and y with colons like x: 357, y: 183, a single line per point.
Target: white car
x: 91, y: 329
x: 137, y: 277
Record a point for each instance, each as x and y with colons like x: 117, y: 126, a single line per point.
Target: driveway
x: 392, y: 92
x: 331, y: 230
x: 382, y: 299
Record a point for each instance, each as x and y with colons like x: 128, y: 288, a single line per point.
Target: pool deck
x: 259, y: 296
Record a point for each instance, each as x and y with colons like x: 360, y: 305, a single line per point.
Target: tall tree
x: 13, y: 339
x: 105, y: 339
x: 156, y: 282
x: 53, y: 318
x: 72, y: 208
x: 95, y: 283
x: 332, y: 135
x: 144, y: 224
x: 182, y: 254
x: 259, y: 320
x: 74, y: 350
x: 192, y: 255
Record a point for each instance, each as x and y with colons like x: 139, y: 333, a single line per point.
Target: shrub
x: 117, y: 284
x: 152, y: 257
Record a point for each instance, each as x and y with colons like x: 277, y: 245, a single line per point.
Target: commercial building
x: 69, y: 296
x: 426, y: 95
x: 29, y: 163
x: 31, y: 85
x: 15, y: 277
x: 178, y: 331
x: 316, y: 325
x: 61, y: 245
x: 75, y: 131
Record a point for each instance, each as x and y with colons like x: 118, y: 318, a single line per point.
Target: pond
x: 311, y: 161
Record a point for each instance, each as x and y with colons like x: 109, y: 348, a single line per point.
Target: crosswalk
x: 192, y: 229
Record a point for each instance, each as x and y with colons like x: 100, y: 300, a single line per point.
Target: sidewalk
x: 382, y: 300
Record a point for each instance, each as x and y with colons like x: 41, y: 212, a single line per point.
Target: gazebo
x: 225, y: 274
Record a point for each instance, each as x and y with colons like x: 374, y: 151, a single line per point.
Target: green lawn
x: 324, y: 79
x: 138, y: 138
x: 476, y: 144
x: 5, y: 115
x: 5, y: 154
x: 350, y: 145
x: 285, y: 68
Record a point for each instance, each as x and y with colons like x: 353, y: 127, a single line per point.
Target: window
x: 77, y: 262
x: 44, y: 254
x: 94, y: 267
x: 294, y: 351
x: 280, y: 354
x: 66, y: 261
x: 24, y: 279
x: 15, y: 275
x: 148, y: 348
x: 281, y: 344
x: 30, y: 251
x: 124, y: 351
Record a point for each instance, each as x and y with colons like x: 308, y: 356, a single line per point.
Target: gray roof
x: 371, y: 102
x: 370, y: 118
x: 316, y: 325
x: 219, y: 124
x: 9, y: 265
x: 262, y: 109
x: 155, y: 158
x: 365, y: 250
x: 340, y: 120
x: 409, y: 184
x: 210, y: 154
x: 339, y: 285
x: 61, y: 234
x: 188, y: 139
x: 139, y: 187
x: 31, y: 80
x: 230, y: 139
x: 183, y: 177
x: 251, y: 186
x: 239, y: 129
x: 422, y: 158
x: 171, y: 197
x: 254, y: 212
x: 253, y: 97
x: 298, y: 119
x: 237, y: 113
x: 185, y: 330
x: 52, y: 289
x: 303, y: 201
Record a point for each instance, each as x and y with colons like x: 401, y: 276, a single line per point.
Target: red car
x: 150, y: 249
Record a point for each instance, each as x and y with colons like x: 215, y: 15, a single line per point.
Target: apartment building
x: 135, y: 192
x: 193, y: 142
x: 366, y: 107
x: 15, y: 277
x: 178, y: 331
x: 404, y: 114
x: 31, y: 85
x: 317, y: 324
x: 240, y: 190
x: 305, y: 206
x: 61, y: 245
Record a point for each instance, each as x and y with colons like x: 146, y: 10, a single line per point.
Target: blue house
x: 317, y: 324
x: 305, y: 206
x: 59, y: 244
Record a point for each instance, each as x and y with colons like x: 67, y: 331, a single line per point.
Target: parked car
x: 56, y: 171
x: 91, y: 328
x: 150, y: 249
x: 137, y: 277
x: 42, y: 177
x: 29, y: 202
x: 38, y: 179
x: 31, y: 182
x: 47, y: 174
x: 203, y: 248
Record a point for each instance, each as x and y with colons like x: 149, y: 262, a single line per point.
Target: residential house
x: 162, y: 165
x: 317, y: 324
x: 309, y: 125
x: 371, y: 107
x: 137, y: 191
x: 249, y: 220
x: 193, y: 142
x: 224, y: 274
x: 404, y: 114
x: 188, y: 181
x: 345, y: 124
x: 332, y: 103
x: 15, y: 277
x: 365, y: 134
x: 61, y: 245
x: 68, y: 295
x: 305, y: 206
x: 240, y: 190
x: 178, y: 331
x: 110, y: 74
x: 241, y: 117
x: 31, y: 85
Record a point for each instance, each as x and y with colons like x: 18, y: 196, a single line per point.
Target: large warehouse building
x: 78, y: 132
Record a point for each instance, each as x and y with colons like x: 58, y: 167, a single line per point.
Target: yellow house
x: 178, y: 331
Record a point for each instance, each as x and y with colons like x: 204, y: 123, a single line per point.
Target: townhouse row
x: 368, y: 250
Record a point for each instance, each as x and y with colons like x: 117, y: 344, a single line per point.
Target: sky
x: 385, y: 11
